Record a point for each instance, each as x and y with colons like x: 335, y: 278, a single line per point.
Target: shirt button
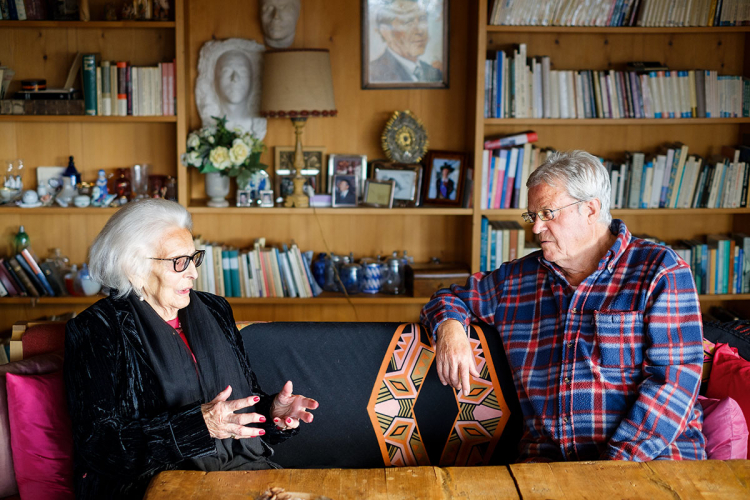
x: 610, y: 267
x: 567, y: 380
x: 565, y: 420
x: 570, y: 344
x: 573, y: 310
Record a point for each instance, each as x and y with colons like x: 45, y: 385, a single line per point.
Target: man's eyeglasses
x: 182, y: 262
x: 544, y: 214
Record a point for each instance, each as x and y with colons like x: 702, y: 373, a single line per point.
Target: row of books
x: 502, y: 241
x: 521, y: 87
x: 671, y: 13
x: 22, y: 276
x: 260, y: 271
x: 24, y: 10
x: 505, y: 172
x: 720, y: 264
x: 672, y: 178
x: 119, y: 89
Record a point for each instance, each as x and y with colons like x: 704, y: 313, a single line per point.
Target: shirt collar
x: 410, y: 66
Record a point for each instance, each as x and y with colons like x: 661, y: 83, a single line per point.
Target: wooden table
x: 575, y: 480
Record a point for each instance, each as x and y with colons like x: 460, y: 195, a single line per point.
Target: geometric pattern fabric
x: 480, y: 417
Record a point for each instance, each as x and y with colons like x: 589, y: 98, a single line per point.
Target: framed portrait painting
x: 445, y: 178
x: 345, y: 191
x: 407, y: 180
x: 355, y: 165
x: 285, y: 184
x: 405, y: 44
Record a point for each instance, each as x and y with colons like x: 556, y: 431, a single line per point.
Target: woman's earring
x: 141, y: 299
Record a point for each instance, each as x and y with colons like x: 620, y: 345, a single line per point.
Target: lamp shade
x: 297, y: 83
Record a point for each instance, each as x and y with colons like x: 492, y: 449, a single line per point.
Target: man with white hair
x: 403, y: 26
x: 602, y: 330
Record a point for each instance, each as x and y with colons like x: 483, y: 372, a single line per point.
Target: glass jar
x: 85, y: 284
x: 394, y: 276
x: 319, y: 269
x: 331, y: 283
x: 372, y: 275
x: 351, y: 276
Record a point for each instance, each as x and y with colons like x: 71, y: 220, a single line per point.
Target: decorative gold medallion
x: 404, y: 138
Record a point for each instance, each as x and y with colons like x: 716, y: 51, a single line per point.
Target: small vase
x: 217, y: 188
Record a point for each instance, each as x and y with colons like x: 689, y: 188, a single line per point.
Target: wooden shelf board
x: 731, y: 296
x: 613, y: 122
x: 626, y: 30
x: 89, y: 24
x: 56, y: 210
x: 198, y: 207
x: 84, y: 118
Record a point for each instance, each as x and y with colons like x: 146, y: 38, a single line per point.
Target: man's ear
x: 592, y: 208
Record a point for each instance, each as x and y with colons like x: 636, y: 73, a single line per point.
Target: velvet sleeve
x: 101, y: 396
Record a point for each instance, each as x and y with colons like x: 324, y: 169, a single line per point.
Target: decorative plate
x: 404, y: 138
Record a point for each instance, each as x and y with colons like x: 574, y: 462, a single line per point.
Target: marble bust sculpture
x: 229, y: 84
x: 279, y: 20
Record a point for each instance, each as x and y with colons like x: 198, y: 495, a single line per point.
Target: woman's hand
x: 288, y: 409
x: 223, y: 422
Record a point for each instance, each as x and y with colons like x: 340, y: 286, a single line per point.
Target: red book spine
x: 513, y: 140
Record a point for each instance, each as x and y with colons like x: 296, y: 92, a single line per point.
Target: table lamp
x: 297, y: 84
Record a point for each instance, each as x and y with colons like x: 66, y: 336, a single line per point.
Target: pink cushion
x: 40, y: 436
x: 38, y: 364
x: 725, y: 429
x: 730, y: 378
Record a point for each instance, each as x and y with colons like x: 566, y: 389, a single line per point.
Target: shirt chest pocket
x: 619, y: 337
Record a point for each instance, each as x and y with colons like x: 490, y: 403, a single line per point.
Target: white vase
x: 217, y: 188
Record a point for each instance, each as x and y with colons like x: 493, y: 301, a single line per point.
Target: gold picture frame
x: 314, y: 158
x: 379, y: 194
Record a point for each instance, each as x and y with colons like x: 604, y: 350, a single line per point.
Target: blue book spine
x: 12, y: 12
x: 483, y: 246
x: 643, y: 202
x: 493, y: 248
x: 225, y: 269
x: 704, y: 267
x: 88, y: 79
x: 234, y: 270
x: 517, y: 186
x: 493, y: 165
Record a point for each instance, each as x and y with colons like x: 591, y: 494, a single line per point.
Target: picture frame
x: 266, y: 198
x: 313, y: 156
x: 405, y: 44
x: 344, y: 197
x: 379, y: 194
x: 244, y: 198
x: 450, y: 166
x: 347, y: 165
x: 407, y: 181
x: 284, y: 184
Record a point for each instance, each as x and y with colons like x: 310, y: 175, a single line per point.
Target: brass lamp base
x: 298, y: 198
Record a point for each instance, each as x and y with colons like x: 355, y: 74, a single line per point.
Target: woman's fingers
x: 238, y: 404
x: 245, y: 418
x: 223, y: 395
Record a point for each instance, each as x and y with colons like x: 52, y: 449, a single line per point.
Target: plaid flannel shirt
x: 609, y: 369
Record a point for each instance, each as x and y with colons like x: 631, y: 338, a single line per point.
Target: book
x: 19, y: 284
x: 508, y: 141
x: 88, y: 78
x: 307, y: 258
x: 22, y: 277
x: 106, y: 89
x: 122, y: 88
x: 9, y: 282
x: 32, y: 263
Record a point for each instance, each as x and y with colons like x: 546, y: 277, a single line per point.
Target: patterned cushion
x: 381, y: 401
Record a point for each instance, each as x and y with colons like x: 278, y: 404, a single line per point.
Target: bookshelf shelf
x: 88, y: 119
x: 200, y: 208
x: 556, y: 122
x: 56, y: 210
x: 616, y: 30
x: 89, y: 24
x: 326, y: 298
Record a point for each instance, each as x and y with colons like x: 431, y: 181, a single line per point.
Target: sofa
x: 381, y: 402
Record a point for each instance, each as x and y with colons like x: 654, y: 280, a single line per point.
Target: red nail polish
x: 288, y: 420
x: 276, y: 419
x: 256, y: 399
x: 262, y: 419
x: 261, y: 432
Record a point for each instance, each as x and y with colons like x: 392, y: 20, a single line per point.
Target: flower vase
x: 217, y: 189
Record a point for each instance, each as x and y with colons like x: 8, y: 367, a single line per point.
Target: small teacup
x: 81, y: 201
x: 30, y: 197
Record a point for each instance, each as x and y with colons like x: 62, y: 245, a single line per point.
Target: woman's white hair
x: 581, y: 174
x: 119, y: 256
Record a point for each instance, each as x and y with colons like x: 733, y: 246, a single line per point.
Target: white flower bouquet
x: 233, y: 153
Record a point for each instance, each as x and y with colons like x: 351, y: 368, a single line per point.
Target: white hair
x: 119, y: 255
x: 581, y: 174
x: 206, y: 98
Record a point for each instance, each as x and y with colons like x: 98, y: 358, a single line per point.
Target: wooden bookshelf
x: 86, y: 119
x: 624, y: 30
x: 89, y: 24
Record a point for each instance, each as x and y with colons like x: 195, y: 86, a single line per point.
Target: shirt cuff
x: 444, y: 316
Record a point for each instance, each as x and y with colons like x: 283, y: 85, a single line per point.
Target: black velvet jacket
x: 122, y: 433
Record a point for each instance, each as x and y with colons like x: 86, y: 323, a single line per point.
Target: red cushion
x: 43, y: 338
x: 40, y: 436
x: 730, y: 378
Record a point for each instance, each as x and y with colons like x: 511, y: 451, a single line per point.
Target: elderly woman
x: 156, y: 374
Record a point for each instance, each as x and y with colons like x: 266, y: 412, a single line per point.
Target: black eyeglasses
x: 544, y: 214
x: 182, y: 262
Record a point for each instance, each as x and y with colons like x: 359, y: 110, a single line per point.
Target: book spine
x: 4, y: 10
x: 483, y: 246
x: 98, y: 91
x: 21, y: 10
x: 24, y: 278
x: 122, y: 89
x: 106, y: 89
x: 513, y: 140
x: 37, y: 271
x: 88, y: 77
x: 129, y: 89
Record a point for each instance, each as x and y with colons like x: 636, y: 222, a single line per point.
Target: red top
x: 175, y: 323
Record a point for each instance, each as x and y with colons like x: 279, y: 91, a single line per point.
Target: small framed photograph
x: 405, y: 44
x: 285, y: 184
x: 355, y: 165
x: 314, y: 158
x: 266, y: 198
x: 345, y: 190
x: 407, y: 181
x: 379, y: 194
x: 243, y: 198
x: 445, y: 181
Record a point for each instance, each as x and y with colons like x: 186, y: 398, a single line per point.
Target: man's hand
x: 455, y: 361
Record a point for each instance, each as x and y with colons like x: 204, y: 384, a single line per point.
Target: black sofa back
x: 381, y: 402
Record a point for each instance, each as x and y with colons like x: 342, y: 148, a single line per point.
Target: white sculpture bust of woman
x: 228, y: 84
x: 279, y: 20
